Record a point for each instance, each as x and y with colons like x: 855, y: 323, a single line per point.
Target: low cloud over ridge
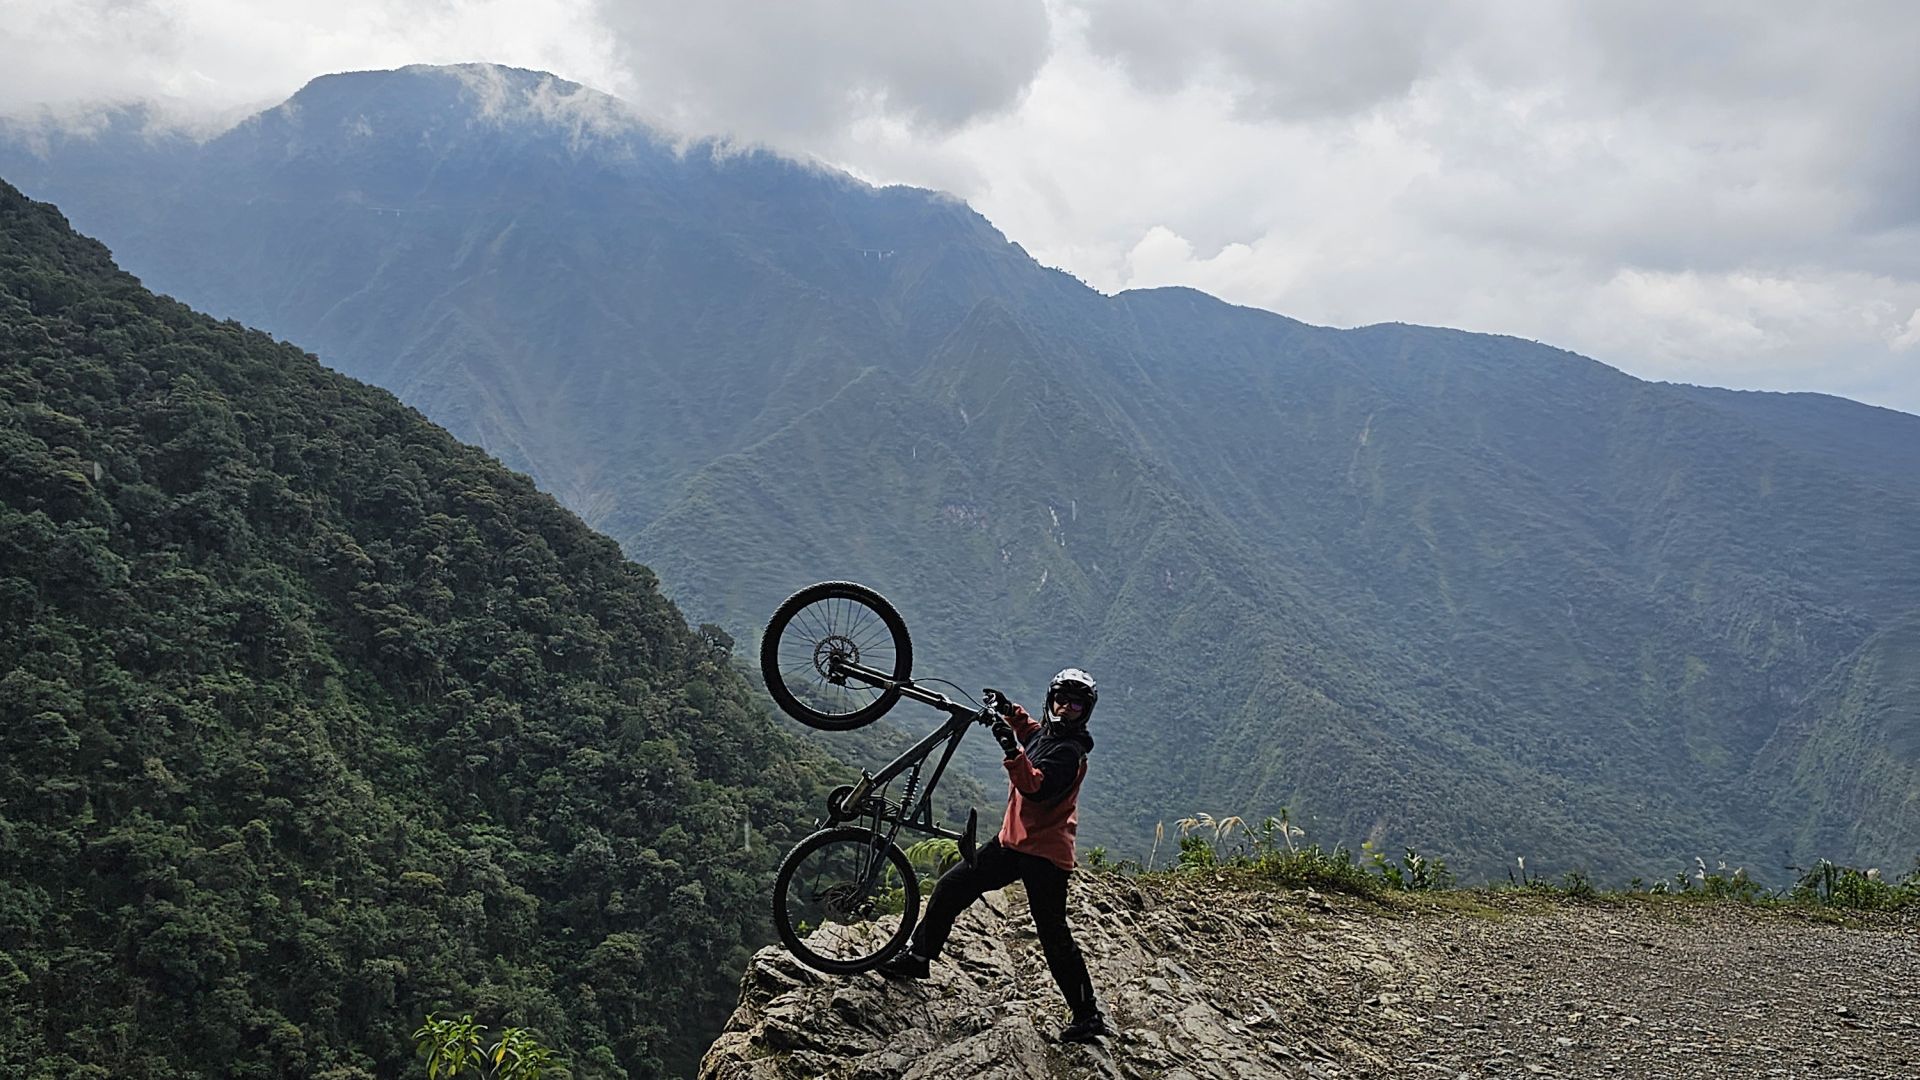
x: 1720, y: 193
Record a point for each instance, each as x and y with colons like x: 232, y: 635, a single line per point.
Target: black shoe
x: 1085, y: 1029
x: 904, y: 965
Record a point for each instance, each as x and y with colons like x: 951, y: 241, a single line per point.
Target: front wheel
x: 844, y: 900
x: 816, y: 631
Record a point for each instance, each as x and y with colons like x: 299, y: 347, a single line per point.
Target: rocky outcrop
x: 1207, y: 977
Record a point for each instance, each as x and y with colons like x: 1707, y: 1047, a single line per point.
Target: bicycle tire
x: 862, y: 950
x: 840, y: 618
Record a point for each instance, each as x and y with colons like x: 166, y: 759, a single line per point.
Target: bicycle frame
x: 916, y: 804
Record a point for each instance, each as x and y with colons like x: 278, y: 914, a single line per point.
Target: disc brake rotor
x: 847, y: 902
x: 830, y: 652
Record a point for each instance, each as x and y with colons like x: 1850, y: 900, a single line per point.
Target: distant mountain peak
x: 443, y: 99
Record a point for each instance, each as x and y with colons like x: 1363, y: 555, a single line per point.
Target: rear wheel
x: 824, y: 625
x: 844, y: 900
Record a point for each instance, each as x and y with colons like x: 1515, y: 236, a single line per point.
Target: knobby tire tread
x: 780, y: 624
x: 784, y: 880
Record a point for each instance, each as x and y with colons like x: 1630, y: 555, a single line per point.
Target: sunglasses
x: 1070, y: 704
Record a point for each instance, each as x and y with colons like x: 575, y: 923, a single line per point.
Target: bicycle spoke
x: 814, y: 640
x: 859, y: 634
x: 819, y: 629
x: 870, y: 637
x: 875, y: 637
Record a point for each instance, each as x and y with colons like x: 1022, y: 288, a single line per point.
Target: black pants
x: 997, y: 867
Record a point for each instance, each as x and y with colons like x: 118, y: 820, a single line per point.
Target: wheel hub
x: 832, y: 652
x: 849, y: 902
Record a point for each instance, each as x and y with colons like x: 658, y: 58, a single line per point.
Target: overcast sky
x: 1716, y: 192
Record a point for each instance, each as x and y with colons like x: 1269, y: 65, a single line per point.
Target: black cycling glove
x: 1004, y: 732
x: 997, y: 701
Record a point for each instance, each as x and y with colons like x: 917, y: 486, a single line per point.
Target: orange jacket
x: 1043, y: 795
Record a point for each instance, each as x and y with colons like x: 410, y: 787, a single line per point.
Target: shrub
x: 1306, y: 866
x: 1720, y: 885
x: 454, y: 1048
x: 1831, y: 885
x: 1414, y: 873
x: 1576, y: 883
x: 1195, y: 855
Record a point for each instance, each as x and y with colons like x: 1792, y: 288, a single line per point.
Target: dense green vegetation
x: 452, y: 1049
x: 1463, y: 593
x: 1375, y: 586
x: 314, y: 721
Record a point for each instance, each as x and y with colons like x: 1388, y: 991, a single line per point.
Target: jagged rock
x: 1206, y: 980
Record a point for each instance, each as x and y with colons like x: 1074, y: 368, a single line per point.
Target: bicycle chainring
x: 837, y: 804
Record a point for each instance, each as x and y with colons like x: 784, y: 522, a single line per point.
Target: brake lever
x: 991, y: 711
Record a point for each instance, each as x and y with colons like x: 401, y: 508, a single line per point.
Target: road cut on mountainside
x: 1207, y: 977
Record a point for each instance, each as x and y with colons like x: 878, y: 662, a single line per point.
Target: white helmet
x: 1075, y: 684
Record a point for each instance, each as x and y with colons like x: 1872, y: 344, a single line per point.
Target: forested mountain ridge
x: 313, y: 720
x: 577, y: 258
x: 1570, y: 632
x: 1460, y: 591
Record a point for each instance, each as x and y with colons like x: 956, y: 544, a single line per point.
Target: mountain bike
x: 836, y: 656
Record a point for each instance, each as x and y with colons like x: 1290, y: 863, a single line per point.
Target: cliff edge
x: 1211, y: 976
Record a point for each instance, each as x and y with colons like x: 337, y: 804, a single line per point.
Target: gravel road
x: 1207, y: 979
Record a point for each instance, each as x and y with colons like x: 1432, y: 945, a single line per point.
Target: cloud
x: 1832, y: 329
x: 797, y: 74
x: 201, y: 61
x: 588, y: 114
x: 1717, y: 117
x: 1908, y: 336
x: 1720, y: 192
x: 1298, y: 60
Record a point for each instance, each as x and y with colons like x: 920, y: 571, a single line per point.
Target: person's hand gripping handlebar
x: 1001, y: 708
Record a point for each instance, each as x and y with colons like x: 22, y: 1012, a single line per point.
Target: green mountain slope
x: 1461, y: 591
x: 313, y: 720
x: 513, y: 253
x: 1852, y: 750
x: 1853, y: 435
x: 1475, y: 649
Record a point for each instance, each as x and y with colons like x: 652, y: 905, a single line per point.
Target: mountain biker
x: 1045, y: 764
